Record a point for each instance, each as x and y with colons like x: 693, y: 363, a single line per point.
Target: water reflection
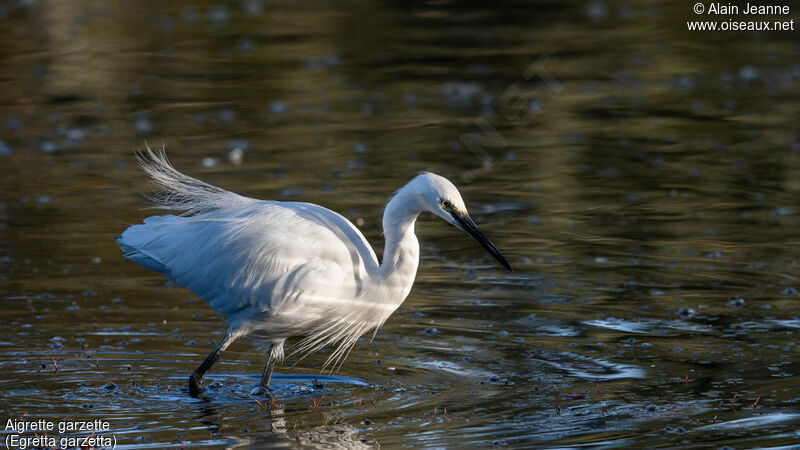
x: 648, y: 207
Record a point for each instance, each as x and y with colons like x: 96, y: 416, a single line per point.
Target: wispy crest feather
x: 177, y: 192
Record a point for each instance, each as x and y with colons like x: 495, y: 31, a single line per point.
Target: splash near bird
x: 283, y: 269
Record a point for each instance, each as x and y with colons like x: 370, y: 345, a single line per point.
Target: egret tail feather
x: 178, y: 192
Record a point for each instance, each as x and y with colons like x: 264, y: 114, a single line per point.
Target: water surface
x: 641, y: 179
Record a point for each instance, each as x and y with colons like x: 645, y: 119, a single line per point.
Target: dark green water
x: 643, y: 180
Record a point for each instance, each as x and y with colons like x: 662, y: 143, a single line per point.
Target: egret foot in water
x: 196, y: 378
x: 273, y: 353
x: 262, y: 391
x: 195, y: 385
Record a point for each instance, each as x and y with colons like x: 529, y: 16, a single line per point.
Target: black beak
x: 469, y: 226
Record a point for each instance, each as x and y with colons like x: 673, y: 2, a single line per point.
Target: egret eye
x: 446, y: 204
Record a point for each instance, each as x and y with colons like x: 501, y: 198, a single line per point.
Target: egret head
x: 439, y: 196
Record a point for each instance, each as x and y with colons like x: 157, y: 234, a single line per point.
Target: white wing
x: 240, y: 258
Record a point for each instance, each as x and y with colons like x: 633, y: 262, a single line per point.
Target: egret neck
x: 401, y: 251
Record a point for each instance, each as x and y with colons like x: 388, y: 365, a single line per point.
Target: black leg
x: 263, y: 387
x: 195, y: 380
x: 267, y: 376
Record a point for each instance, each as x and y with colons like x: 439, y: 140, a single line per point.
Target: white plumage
x: 283, y: 269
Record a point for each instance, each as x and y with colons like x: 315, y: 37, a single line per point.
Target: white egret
x: 283, y: 269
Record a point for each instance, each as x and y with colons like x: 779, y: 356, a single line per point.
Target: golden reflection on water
x: 639, y: 202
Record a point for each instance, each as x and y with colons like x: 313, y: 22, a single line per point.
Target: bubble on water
x: 246, y: 45
x: 13, y: 123
x: 461, y: 93
x: 226, y: 115
x: 596, y: 11
x: 685, y: 82
x: 327, y: 60
x: 75, y: 134
x: 5, y: 150
x: 198, y: 117
x: 218, y: 14
x: 430, y: 331
x: 44, y: 199
x: 291, y: 192
x: 355, y: 164
x: 278, y: 107
x: 687, y: 312
x: 236, y: 156
x: 782, y: 212
x: 789, y: 291
x: 142, y: 124
x: 253, y: 7
x: 208, y: 161
x: 748, y: 73
x: 331, y: 59
x: 49, y: 146
x: 737, y: 303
